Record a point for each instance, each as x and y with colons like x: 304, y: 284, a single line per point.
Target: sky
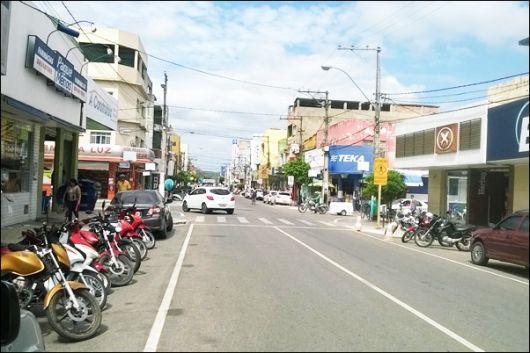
x: 234, y: 68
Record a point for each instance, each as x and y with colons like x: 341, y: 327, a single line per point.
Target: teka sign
x: 508, y: 131
x: 348, y: 159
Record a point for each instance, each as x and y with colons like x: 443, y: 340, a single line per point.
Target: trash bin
x: 88, y: 195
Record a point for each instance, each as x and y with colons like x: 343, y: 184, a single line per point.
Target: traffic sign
x: 380, y: 171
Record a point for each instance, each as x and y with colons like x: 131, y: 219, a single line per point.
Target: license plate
x: 222, y: 204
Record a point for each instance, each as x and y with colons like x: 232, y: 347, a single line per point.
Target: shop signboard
x: 508, y: 132
x: 101, y: 106
x: 350, y: 159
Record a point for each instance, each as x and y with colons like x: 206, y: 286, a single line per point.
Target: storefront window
x: 15, y: 156
x: 457, y: 182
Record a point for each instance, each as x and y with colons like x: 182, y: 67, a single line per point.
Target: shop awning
x: 413, y: 180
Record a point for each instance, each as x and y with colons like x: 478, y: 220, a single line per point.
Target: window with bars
x: 100, y: 137
x: 470, y: 134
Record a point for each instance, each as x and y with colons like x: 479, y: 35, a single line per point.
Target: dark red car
x: 506, y: 241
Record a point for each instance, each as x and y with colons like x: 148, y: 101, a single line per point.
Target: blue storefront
x: 347, y: 166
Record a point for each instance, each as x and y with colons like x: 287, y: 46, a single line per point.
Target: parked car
x: 405, y: 205
x: 209, y: 198
x: 151, y: 206
x: 341, y: 208
x: 281, y: 198
x: 176, y: 197
x: 259, y: 194
x: 505, y: 241
x: 268, y: 196
x: 21, y: 330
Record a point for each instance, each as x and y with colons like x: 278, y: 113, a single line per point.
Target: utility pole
x: 378, y: 152
x: 165, y: 132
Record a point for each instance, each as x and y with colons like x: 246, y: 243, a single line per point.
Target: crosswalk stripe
x: 265, y: 220
x: 221, y: 219
x: 285, y: 221
x: 242, y: 219
x: 306, y: 222
x: 199, y: 219
x: 327, y: 224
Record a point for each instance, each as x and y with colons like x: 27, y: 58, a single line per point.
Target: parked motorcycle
x: 131, y: 215
x: 311, y: 205
x: 446, y: 233
x: 37, y: 272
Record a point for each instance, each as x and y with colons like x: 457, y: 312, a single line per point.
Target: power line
x: 455, y: 87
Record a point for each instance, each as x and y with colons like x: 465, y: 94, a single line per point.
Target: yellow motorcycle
x: 36, y: 271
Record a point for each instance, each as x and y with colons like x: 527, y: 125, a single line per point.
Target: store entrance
x: 488, y: 196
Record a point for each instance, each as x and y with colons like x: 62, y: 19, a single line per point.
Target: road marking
x: 199, y: 219
x: 328, y: 224
x: 389, y: 296
x: 265, y: 220
x: 160, y: 319
x: 242, y: 220
x: 285, y: 221
x: 221, y: 219
x: 306, y: 222
x: 473, y: 267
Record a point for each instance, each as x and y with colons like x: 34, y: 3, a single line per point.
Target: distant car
x: 259, y: 194
x: 505, y: 241
x: 404, y: 204
x: 268, y: 197
x: 207, y: 199
x: 282, y: 198
x: 176, y: 197
x: 341, y: 208
x: 151, y: 206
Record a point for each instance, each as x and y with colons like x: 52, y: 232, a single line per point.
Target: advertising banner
x: 350, y: 159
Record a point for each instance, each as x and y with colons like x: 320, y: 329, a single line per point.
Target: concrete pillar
x: 58, y: 167
x: 437, y: 191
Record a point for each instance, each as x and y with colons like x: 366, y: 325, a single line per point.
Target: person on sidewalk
x: 72, y: 199
x: 123, y: 184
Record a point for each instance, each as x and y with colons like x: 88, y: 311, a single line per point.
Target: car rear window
x: 220, y: 191
x: 140, y: 197
x: 285, y: 193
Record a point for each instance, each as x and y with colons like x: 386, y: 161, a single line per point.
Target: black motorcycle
x: 447, y: 234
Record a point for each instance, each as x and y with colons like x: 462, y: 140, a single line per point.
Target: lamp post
x: 63, y: 27
x: 377, y: 127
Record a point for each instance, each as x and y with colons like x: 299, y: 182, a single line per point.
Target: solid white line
x: 160, y: 319
x: 285, y: 221
x: 407, y: 307
x: 265, y: 220
x: 221, y: 219
x: 242, y: 219
x: 306, y: 222
x: 199, y: 219
x: 473, y: 267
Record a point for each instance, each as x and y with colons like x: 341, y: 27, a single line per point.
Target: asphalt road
x: 268, y: 278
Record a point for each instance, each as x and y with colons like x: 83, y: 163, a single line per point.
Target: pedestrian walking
x: 123, y: 184
x: 72, y: 199
x: 253, y: 196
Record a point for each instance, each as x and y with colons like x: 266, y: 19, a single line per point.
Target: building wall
x: 437, y: 191
x: 520, y: 192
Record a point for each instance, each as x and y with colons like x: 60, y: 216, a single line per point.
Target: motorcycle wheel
x: 94, y: 284
x: 302, y: 208
x: 133, y: 253
x: 71, y: 323
x: 141, y: 246
x: 149, y: 238
x: 464, y: 244
x: 407, y: 236
x: 120, y: 274
x: 103, y: 277
x: 322, y: 209
x: 423, y: 238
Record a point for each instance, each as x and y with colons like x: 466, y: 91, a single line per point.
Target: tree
x: 297, y: 168
x: 394, y: 189
x: 183, y: 177
x: 221, y: 180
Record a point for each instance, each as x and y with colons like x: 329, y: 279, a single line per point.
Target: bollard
x: 388, y: 232
x: 358, y: 224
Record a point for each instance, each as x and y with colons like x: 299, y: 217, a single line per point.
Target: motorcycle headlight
x: 117, y: 228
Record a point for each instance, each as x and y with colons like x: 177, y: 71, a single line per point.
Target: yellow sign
x: 380, y: 171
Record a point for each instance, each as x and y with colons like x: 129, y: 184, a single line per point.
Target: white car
x: 268, y: 197
x: 281, y: 198
x: 208, y: 199
x: 259, y: 194
x: 404, y: 204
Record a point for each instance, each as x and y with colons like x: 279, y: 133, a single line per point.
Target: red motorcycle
x: 133, y: 217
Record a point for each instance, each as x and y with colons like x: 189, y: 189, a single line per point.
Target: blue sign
x: 508, y: 131
x: 356, y: 159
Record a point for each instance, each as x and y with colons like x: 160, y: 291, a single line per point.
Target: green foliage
x: 297, y: 168
x: 394, y: 189
x: 183, y: 177
x: 221, y: 180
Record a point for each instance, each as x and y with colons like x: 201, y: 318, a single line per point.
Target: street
x: 269, y: 278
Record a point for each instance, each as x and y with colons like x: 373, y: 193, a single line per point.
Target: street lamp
x: 63, y: 27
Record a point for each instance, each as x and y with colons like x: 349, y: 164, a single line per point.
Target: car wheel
x: 204, y: 208
x: 185, y: 207
x: 343, y: 213
x: 478, y: 254
x: 170, y: 223
x: 230, y: 211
